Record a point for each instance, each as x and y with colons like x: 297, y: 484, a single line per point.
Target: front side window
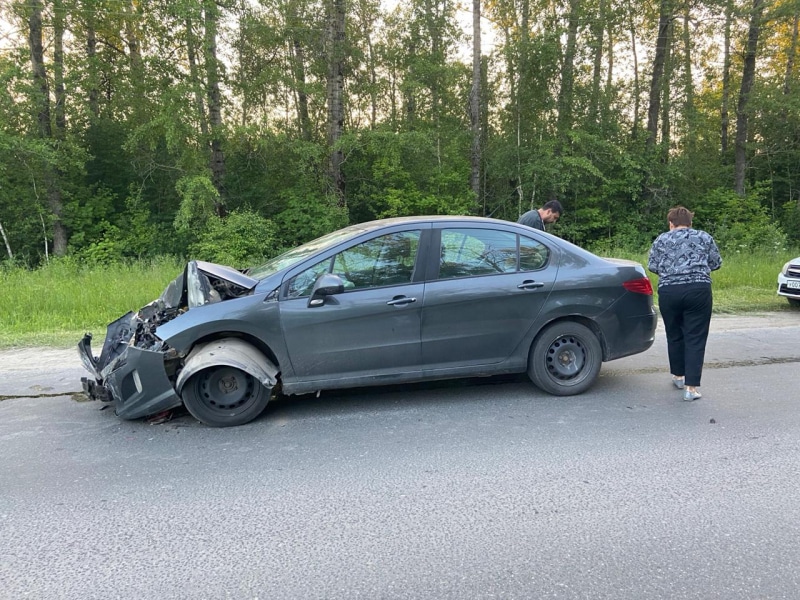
x: 385, y: 260
x: 300, y: 285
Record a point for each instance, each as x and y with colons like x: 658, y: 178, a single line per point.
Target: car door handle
x: 530, y: 285
x: 401, y: 301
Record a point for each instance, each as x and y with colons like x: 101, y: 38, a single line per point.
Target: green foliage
x: 198, y: 197
x: 400, y: 203
x: 413, y: 172
x: 241, y: 239
x: 306, y: 218
x: 790, y: 222
x: 739, y: 224
x: 132, y: 163
x: 107, y: 249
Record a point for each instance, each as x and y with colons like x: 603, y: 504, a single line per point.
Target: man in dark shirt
x: 549, y: 213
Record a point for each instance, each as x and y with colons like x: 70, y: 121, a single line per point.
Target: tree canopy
x: 230, y: 129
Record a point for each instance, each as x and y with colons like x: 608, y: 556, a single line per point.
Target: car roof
x: 370, y: 225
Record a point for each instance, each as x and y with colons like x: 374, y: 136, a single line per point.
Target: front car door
x: 370, y: 331
x: 491, y: 286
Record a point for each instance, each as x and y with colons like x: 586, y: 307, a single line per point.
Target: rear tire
x: 565, y: 359
x: 224, y: 396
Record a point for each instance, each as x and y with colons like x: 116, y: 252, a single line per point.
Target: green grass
x: 57, y: 304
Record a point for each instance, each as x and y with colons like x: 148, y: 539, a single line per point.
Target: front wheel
x: 565, y: 359
x: 794, y: 302
x: 223, y: 396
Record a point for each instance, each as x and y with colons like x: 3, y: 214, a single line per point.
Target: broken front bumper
x: 136, y: 381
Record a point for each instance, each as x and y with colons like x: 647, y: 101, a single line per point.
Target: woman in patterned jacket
x: 683, y: 259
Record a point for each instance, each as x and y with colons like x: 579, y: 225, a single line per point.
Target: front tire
x: 224, y: 396
x: 794, y: 302
x: 565, y: 359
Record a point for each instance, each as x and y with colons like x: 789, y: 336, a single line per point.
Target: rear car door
x: 490, y: 287
x: 372, y: 329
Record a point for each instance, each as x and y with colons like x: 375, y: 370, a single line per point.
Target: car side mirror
x: 327, y: 284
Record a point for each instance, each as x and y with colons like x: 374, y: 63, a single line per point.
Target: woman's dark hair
x: 680, y: 216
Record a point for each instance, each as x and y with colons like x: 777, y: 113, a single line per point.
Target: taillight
x: 639, y: 286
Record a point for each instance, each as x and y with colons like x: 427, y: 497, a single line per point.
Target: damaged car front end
x: 139, y: 372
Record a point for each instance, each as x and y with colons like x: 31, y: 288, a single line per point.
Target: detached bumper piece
x: 135, y: 380
x: 140, y: 386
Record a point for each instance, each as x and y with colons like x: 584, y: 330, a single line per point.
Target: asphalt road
x: 468, y: 489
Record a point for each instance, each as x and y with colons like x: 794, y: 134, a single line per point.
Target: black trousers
x: 686, y: 310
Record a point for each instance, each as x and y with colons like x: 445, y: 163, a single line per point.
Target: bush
x: 739, y: 223
x: 307, y: 217
x: 239, y: 240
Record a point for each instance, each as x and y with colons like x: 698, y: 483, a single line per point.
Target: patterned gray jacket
x: 684, y: 255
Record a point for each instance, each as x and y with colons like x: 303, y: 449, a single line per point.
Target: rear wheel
x: 223, y: 396
x: 565, y: 359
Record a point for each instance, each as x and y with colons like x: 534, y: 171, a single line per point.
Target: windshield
x: 296, y: 255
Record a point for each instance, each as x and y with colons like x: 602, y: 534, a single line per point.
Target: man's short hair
x: 554, y: 206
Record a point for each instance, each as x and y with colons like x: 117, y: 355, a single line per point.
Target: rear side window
x: 533, y: 255
x: 474, y: 252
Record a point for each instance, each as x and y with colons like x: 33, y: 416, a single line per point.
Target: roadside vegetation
x: 56, y: 304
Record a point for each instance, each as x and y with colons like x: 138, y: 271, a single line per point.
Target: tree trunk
x: 791, y: 54
x: 58, y: 71
x: 609, y: 86
x: 565, y: 94
x: 5, y: 240
x: 42, y: 102
x: 132, y: 16
x: 726, y: 77
x: 91, y: 55
x: 748, y: 77
x: 335, y: 93
x: 666, y: 99
x: 217, y: 158
x: 475, y: 100
x: 636, y: 86
x: 688, y: 83
x: 40, y: 82
x: 598, y: 29
x: 298, y: 61
x: 657, y: 82
x: 523, y: 87
x: 194, y: 77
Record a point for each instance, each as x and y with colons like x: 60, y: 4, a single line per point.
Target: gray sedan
x: 386, y: 302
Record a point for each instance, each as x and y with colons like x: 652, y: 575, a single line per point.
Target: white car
x: 789, y: 281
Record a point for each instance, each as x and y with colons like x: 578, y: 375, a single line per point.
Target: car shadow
x: 391, y: 397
